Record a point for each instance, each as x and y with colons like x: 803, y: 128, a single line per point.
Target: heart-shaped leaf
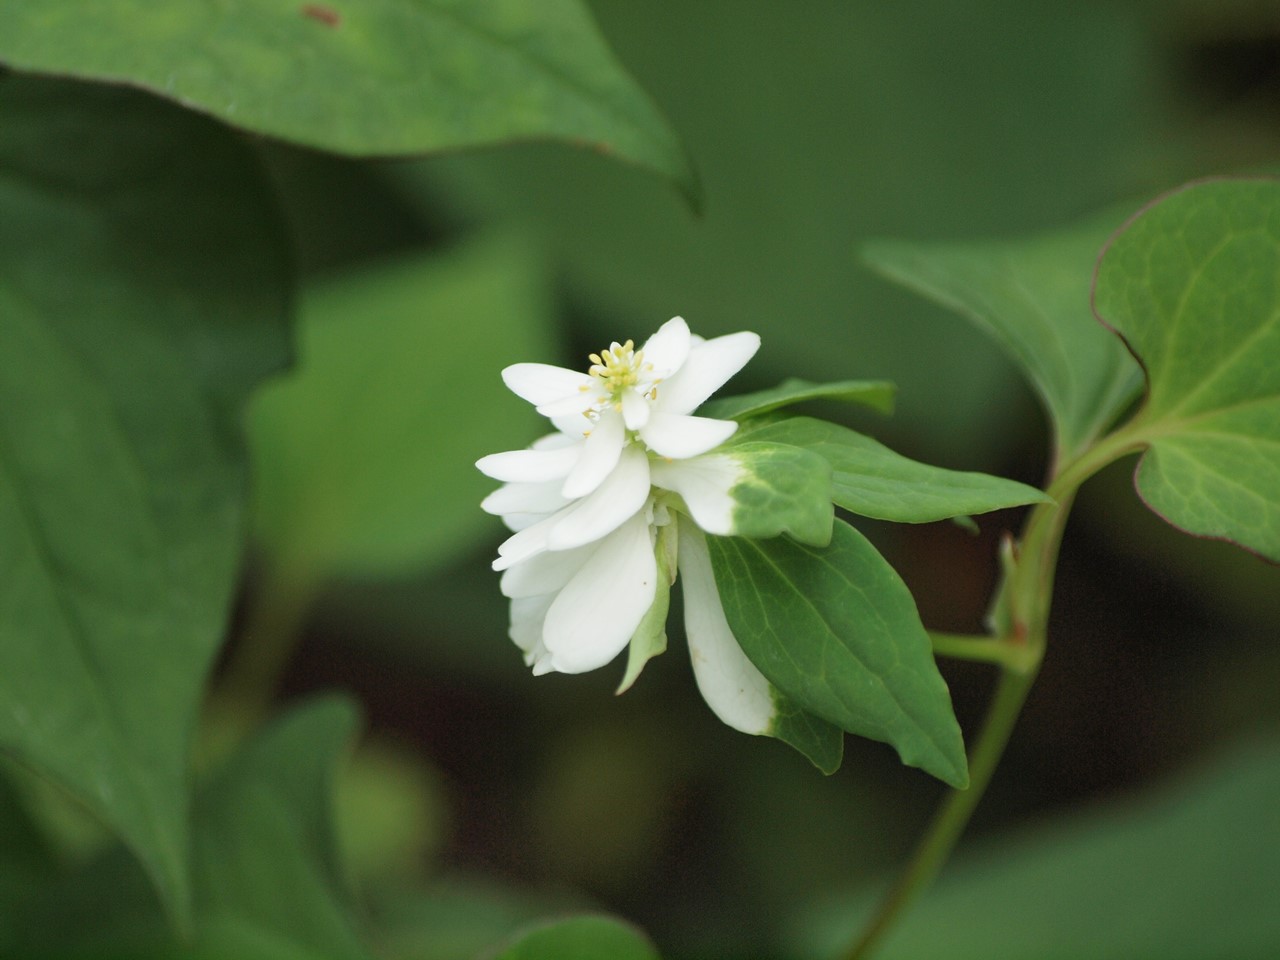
x: 1192, y: 284
x: 143, y: 291
x: 375, y: 77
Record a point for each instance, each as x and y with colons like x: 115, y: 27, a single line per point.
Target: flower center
x: 617, y: 368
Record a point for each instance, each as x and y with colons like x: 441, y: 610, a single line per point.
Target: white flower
x: 587, y: 504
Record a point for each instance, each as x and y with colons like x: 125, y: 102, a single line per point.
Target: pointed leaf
x: 264, y: 857
x: 821, y: 742
x: 876, y: 394
x: 836, y: 630
x: 391, y: 77
x: 363, y: 454
x: 581, y: 938
x: 1032, y: 296
x: 143, y: 292
x: 871, y: 480
x: 1192, y: 284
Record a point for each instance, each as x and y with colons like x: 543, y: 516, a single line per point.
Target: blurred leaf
x: 1192, y: 284
x: 871, y: 480
x: 836, y: 630
x: 372, y: 79
x: 877, y: 394
x: 1032, y: 296
x: 581, y: 938
x: 1185, y: 873
x: 264, y: 856
x: 265, y: 882
x: 143, y: 291
x: 364, y: 456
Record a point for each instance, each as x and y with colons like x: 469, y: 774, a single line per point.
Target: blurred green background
x: 813, y: 131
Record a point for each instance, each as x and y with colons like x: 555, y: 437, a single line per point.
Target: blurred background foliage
x: 812, y: 133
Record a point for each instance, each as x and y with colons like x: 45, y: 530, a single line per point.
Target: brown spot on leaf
x: 322, y: 14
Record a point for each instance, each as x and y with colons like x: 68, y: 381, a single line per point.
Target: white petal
x: 545, y: 572
x: 610, y: 505
x: 676, y: 436
x: 527, y: 616
x: 709, y: 366
x: 554, y: 441
x: 595, y: 615
x: 599, y: 455
x: 575, y: 404
x: 734, y: 689
x: 635, y: 409
x: 515, y: 522
x: 668, y: 349
x: 541, y: 383
x: 530, y: 466
x: 527, y: 542
x: 705, y: 484
x: 544, y: 497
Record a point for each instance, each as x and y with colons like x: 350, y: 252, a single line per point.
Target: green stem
x: 1018, y: 654
x: 1012, y: 657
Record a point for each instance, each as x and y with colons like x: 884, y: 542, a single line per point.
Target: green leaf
x: 836, y: 630
x: 876, y: 394
x: 1192, y: 284
x: 1032, y: 296
x: 266, y: 884
x: 372, y: 78
x: 581, y: 938
x: 821, y: 742
x: 783, y: 489
x: 264, y: 860
x: 143, y: 292
x: 364, y: 455
x: 871, y: 480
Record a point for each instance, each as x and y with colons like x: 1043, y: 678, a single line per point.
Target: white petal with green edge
x: 530, y: 466
x: 709, y: 367
x: 606, y: 508
x: 705, y: 484
x: 668, y: 349
x: 677, y: 436
x: 541, y: 383
x: 731, y: 685
x: 599, y: 455
x: 594, y: 616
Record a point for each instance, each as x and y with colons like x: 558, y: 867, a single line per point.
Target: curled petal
x: 678, y: 437
x: 600, y: 455
x: 668, y: 349
x: 708, y: 368
x: 734, y: 689
x: 610, y: 505
x: 594, y: 616
x: 705, y: 484
x: 530, y: 466
x: 541, y: 383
